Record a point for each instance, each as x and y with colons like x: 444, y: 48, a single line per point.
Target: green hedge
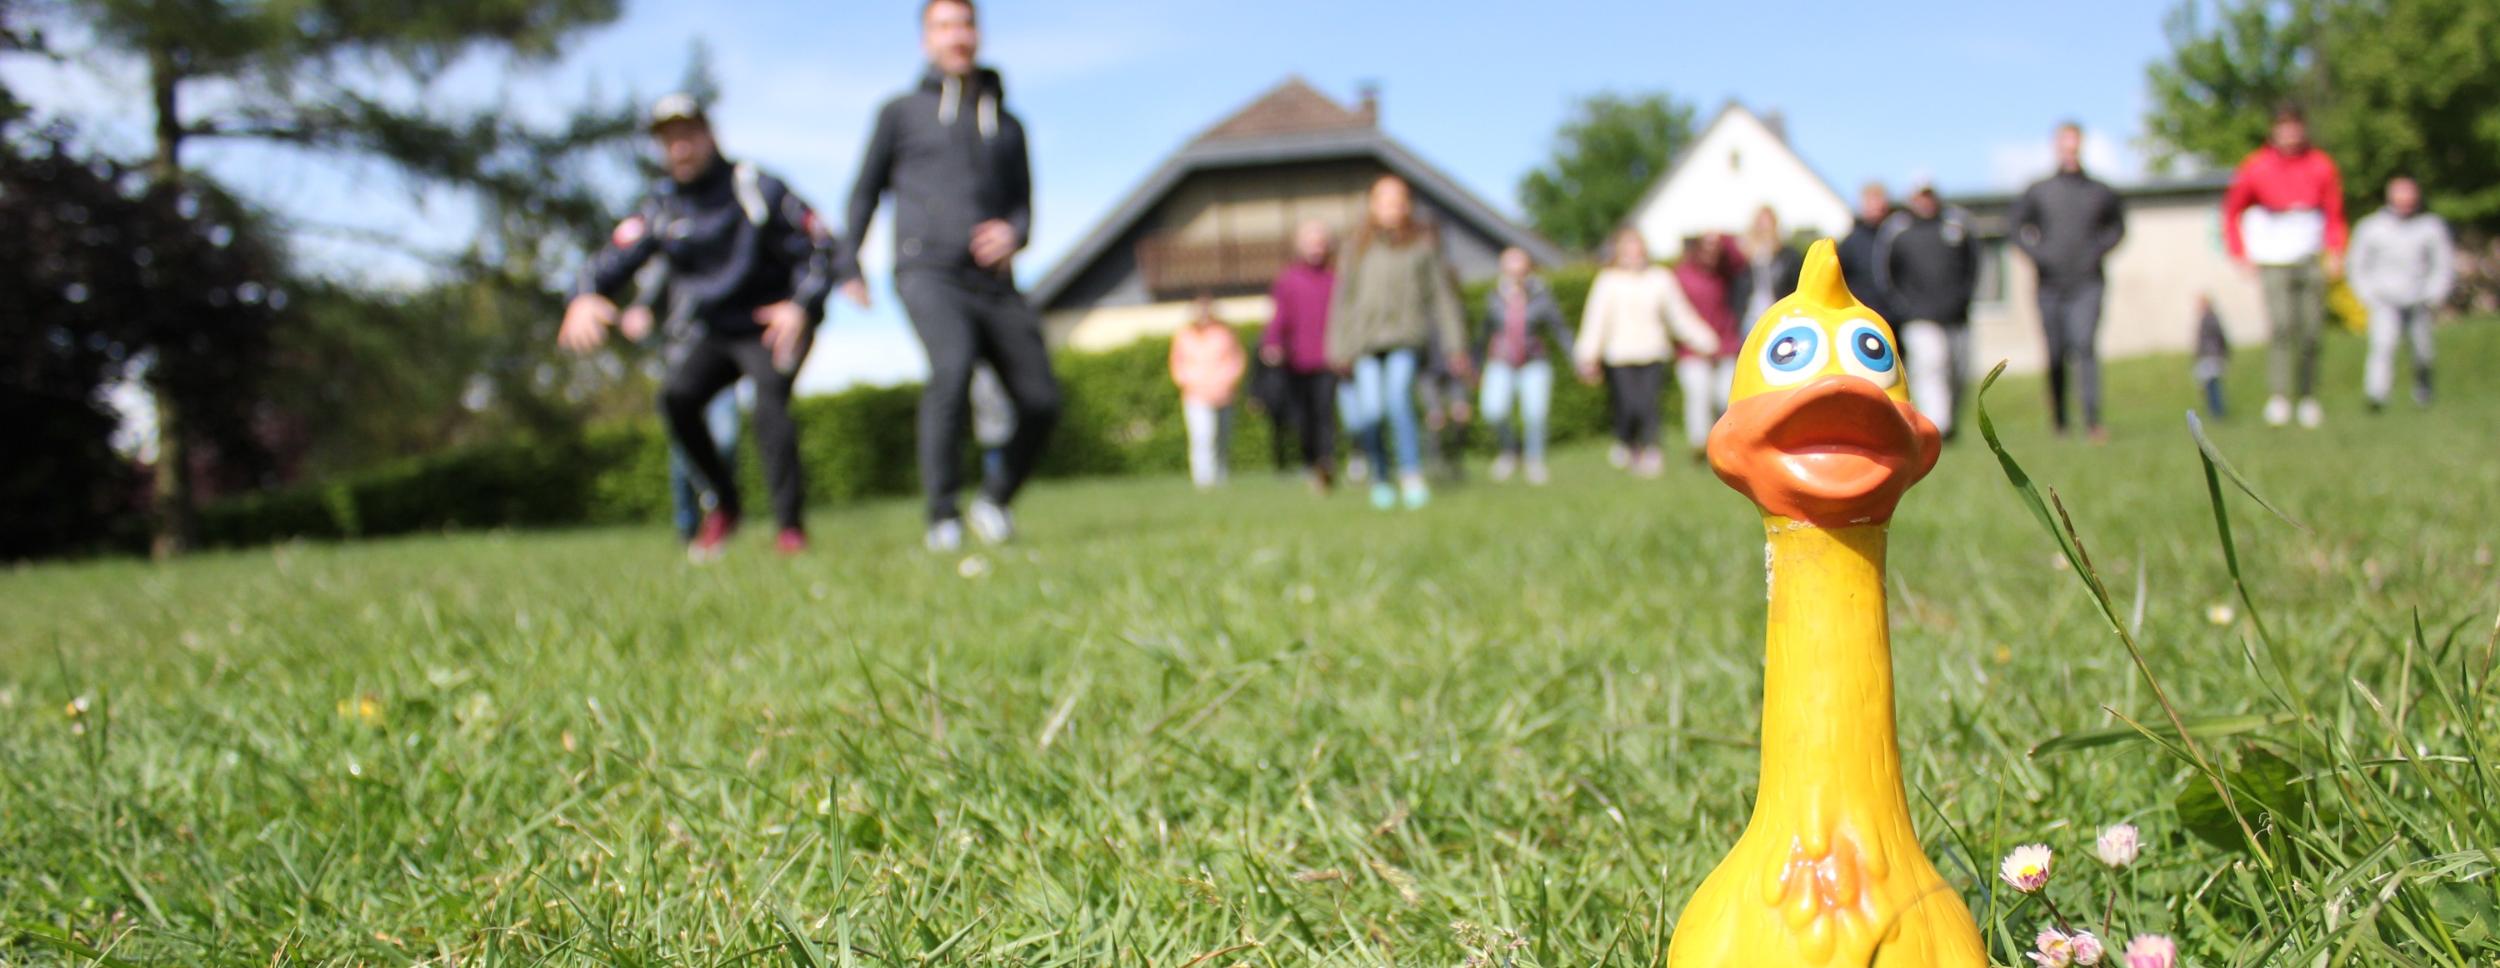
x: 1122, y: 418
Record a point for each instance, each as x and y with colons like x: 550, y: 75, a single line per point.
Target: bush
x: 1121, y: 417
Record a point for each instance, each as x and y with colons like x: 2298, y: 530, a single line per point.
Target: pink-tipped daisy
x: 2052, y: 949
x: 2027, y: 868
x: 2120, y: 845
x: 2087, y: 948
x: 2152, y: 951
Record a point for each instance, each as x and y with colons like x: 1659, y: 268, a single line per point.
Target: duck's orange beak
x: 1834, y: 452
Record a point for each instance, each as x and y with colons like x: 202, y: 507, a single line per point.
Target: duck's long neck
x: 1827, y: 715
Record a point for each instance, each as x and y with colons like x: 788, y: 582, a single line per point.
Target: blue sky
x: 1964, y: 92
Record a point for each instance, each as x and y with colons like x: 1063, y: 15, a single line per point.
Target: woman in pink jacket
x: 1207, y: 363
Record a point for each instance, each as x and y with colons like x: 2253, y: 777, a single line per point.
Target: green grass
x: 1258, y: 729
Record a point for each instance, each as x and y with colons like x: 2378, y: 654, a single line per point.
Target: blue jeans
x: 1530, y: 385
x: 1384, y: 387
x: 721, y: 415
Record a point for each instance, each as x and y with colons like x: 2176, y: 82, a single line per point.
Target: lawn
x: 1256, y: 728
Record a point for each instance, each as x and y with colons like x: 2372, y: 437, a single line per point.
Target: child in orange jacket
x: 1207, y: 364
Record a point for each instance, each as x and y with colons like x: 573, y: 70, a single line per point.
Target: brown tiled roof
x: 1293, y: 107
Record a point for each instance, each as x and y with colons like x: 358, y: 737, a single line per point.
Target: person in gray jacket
x: 2068, y: 223
x: 956, y: 163
x: 2403, y: 264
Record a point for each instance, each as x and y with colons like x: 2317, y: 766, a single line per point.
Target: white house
x: 1738, y: 164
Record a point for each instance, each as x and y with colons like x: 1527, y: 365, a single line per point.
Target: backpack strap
x: 748, y: 182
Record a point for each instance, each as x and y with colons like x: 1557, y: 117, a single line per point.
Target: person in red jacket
x: 2284, y: 217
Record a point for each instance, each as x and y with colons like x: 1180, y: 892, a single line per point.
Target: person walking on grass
x: 754, y: 266
x: 1394, y: 301
x: 1769, y: 273
x: 2403, y: 266
x: 1523, y: 335
x: 1704, y: 379
x: 2213, y: 356
x: 2067, y: 224
x: 2283, y: 218
x: 955, y: 160
x: 688, y: 499
x: 1207, y: 364
x: 1861, y: 251
x: 1931, y: 270
x: 1296, y: 343
x: 1636, y: 315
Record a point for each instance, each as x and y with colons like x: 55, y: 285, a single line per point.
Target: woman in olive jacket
x: 1393, y: 294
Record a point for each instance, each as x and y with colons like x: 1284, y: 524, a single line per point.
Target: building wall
x: 1738, y: 166
x: 2172, y: 253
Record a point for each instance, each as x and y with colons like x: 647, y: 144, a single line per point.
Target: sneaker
x: 2374, y: 405
x: 2311, y: 415
x: 1503, y: 467
x: 1415, y: 493
x: 2422, y: 390
x: 1384, y: 497
x: 1649, y: 464
x: 792, y: 542
x: 1620, y: 456
x: 2100, y: 436
x: 1358, y: 469
x: 991, y: 523
x: 945, y: 537
x: 712, y: 540
x: 1536, y: 474
x: 2278, y: 411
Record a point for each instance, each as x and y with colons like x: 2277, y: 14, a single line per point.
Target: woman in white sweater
x: 1636, y: 315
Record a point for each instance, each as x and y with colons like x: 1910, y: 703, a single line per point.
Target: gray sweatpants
x: 2070, y: 320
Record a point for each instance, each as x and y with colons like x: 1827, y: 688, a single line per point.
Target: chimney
x: 1367, y: 103
x: 1777, y: 122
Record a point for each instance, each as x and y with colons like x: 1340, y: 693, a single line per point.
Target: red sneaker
x: 713, y: 538
x: 792, y: 543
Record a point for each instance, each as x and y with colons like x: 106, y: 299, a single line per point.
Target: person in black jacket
x: 955, y: 160
x: 1929, y: 269
x: 1861, y: 262
x: 752, y: 265
x: 2068, y: 223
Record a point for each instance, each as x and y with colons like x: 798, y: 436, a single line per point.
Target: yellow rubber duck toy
x: 1821, y: 435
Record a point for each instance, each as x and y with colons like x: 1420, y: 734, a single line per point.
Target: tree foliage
x: 1604, y: 158
x: 2391, y: 87
x: 355, y: 78
x: 109, y: 276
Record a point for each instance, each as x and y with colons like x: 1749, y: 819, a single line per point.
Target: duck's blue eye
x: 1793, y: 348
x: 1794, y: 353
x: 1871, y: 349
x: 1871, y: 354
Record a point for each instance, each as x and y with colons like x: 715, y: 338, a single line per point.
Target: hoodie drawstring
x: 949, y: 91
x: 989, y: 116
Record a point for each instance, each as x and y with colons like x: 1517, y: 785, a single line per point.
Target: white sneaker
x: 2278, y: 411
x: 1503, y: 467
x: 1358, y: 469
x: 991, y: 523
x: 945, y: 537
x: 2311, y: 415
x: 1536, y: 474
x: 1620, y: 456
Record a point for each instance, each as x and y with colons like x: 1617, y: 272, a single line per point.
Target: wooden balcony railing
x: 1180, y: 269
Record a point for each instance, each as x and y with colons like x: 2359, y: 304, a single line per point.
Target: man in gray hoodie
x: 2067, y: 223
x: 955, y: 160
x: 2402, y: 265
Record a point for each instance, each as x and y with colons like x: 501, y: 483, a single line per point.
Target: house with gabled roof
x: 1218, y: 216
x: 1740, y: 162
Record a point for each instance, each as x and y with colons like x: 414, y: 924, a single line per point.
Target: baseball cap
x: 677, y: 107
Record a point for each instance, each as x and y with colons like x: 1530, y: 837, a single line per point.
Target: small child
x: 1207, y: 365
x: 2213, y: 355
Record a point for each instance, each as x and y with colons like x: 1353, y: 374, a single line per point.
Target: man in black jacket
x: 963, y: 197
x: 753, y: 266
x: 2067, y: 223
x: 1861, y: 256
x: 1930, y: 270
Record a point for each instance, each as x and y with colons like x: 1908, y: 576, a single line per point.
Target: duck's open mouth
x: 1834, y: 451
